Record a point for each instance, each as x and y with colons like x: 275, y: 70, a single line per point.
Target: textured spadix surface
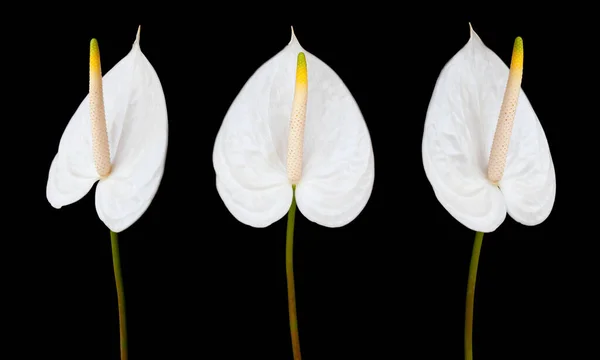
x: 136, y: 122
x: 457, y: 140
x: 252, y: 145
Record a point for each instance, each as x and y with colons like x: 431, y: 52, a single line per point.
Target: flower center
x: 100, y: 147
x: 298, y: 118
x: 497, y: 161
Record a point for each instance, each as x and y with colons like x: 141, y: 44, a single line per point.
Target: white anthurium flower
x: 118, y: 137
x: 484, y: 150
x: 324, y: 151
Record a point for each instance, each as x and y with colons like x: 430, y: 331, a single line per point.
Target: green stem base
x: 120, y: 293
x: 289, y: 267
x: 471, y: 296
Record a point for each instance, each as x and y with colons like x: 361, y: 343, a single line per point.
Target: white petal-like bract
x: 251, y: 147
x: 458, y: 134
x: 136, y: 120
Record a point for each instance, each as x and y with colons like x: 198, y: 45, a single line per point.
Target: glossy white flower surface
x: 129, y: 150
x: 475, y: 100
x: 330, y: 160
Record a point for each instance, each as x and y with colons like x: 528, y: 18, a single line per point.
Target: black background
x: 201, y: 285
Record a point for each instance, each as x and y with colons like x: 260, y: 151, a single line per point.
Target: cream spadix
x: 484, y: 150
x: 100, y: 146
x: 508, y: 109
x: 285, y: 128
x: 118, y: 137
x: 296, y: 137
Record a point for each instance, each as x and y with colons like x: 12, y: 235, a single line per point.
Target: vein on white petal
x: 339, y: 165
x: 457, y: 137
x: 139, y: 160
x: 120, y: 203
x: 250, y: 176
x: 321, y: 202
x: 69, y: 179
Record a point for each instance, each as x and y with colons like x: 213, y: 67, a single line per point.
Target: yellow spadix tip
x: 94, y: 55
x: 301, y: 73
x: 517, y: 55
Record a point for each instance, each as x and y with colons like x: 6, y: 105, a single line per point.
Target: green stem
x: 471, y: 296
x: 289, y: 267
x: 120, y: 293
